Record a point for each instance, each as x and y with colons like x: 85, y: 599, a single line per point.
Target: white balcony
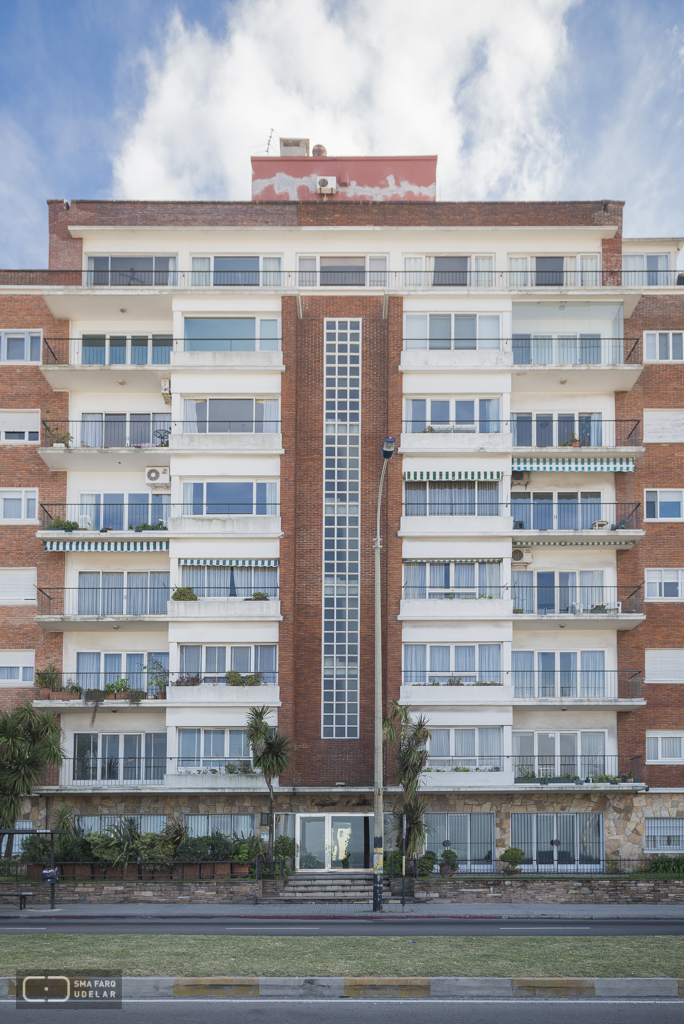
x: 445, y: 610
x: 455, y: 442
x: 456, y: 696
x: 223, y: 696
x: 227, y: 444
x: 215, y: 781
x: 463, y: 361
x: 442, y: 780
x: 456, y: 527
x: 207, y: 609
x: 225, y: 526
x: 236, y: 362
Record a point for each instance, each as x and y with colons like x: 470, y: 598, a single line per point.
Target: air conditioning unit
x: 158, y: 477
x: 521, y: 558
x: 326, y: 186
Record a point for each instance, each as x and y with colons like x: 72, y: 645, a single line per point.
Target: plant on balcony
x: 272, y: 755
x: 518, y: 611
x: 454, y: 681
x: 254, y: 679
x: 599, y: 608
x: 157, y: 678
x: 428, y: 430
x: 234, y: 679
x: 184, y: 594
x: 119, y: 685
x: 48, y: 678
x: 56, y: 436
x: 65, y: 525
x: 259, y: 595
x: 511, y: 858
x: 238, y: 768
x: 607, y: 780
x: 482, y: 682
x: 135, y: 696
x: 160, y: 525
x: 29, y: 744
x: 186, y: 680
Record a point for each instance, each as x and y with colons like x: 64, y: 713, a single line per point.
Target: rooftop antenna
x: 268, y: 144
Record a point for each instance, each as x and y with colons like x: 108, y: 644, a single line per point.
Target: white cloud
x: 469, y: 81
x: 23, y: 213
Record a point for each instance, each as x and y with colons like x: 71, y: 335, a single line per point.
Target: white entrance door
x: 334, y: 842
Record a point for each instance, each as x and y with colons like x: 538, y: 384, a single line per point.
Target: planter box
x: 44, y: 693
x: 222, y: 869
x: 240, y: 869
x: 190, y: 871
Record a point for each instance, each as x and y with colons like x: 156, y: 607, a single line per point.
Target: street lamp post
x: 378, y: 810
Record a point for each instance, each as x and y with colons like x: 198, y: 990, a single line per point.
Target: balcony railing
x: 565, y: 683
x: 566, y: 431
x: 538, y: 514
x: 137, y: 771
x: 412, y: 593
x: 442, y: 507
x: 214, y: 426
x: 108, y: 350
x: 109, y: 430
x: 572, y: 599
x: 578, y: 768
x: 351, y: 277
x: 103, y: 602
x: 573, y: 350
x: 143, y: 516
x: 150, y: 680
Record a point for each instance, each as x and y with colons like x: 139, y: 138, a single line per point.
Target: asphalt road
x: 365, y: 1012
x: 512, y: 927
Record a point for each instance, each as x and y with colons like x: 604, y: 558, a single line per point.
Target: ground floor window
x: 89, y: 823
x: 664, y: 834
x: 566, y: 841
x: 470, y: 836
x: 226, y: 824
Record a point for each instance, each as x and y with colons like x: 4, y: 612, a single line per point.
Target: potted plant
x: 184, y: 594
x: 258, y: 595
x: 253, y: 679
x: 117, y: 689
x: 65, y: 525
x: 449, y: 863
x: 234, y: 679
x: 511, y: 858
x: 48, y: 680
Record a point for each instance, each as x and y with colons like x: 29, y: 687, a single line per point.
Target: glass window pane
x: 237, y: 334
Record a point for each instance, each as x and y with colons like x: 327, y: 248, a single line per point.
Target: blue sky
x: 154, y: 99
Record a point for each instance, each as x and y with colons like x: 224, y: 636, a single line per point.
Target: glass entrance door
x: 334, y: 842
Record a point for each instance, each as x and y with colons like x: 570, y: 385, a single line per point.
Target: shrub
x: 259, y: 595
x: 188, y: 681
x: 513, y: 856
x: 284, y: 846
x: 48, y: 677
x: 254, y: 679
x: 665, y: 865
x: 184, y: 594
x: 450, y: 858
x: 155, y: 848
x: 234, y: 679
x: 119, y: 685
x: 426, y: 863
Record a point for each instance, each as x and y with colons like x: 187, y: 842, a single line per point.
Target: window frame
x: 205, y: 760
x: 25, y: 666
x: 90, y: 272
x: 255, y: 502
x: 14, y: 442
x: 426, y: 274
x: 658, y: 598
x: 657, y: 336
x: 416, y: 344
x: 27, y: 494
x: 207, y: 675
x: 658, y: 518
x: 453, y: 427
x: 452, y: 672
x: 660, y: 734
x: 677, y: 832
x: 212, y: 272
x: 305, y: 282
x: 128, y: 337
x: 476, y: 500
x: 28, y: 334
x: 258, y: 319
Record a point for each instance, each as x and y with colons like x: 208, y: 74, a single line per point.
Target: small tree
x: 408, y: 736
x: 272, y: 754
x: 29, y: 743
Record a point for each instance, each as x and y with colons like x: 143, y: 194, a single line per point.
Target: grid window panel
x: 665, y: 584
x: 341, y: 475
x: 665, y: 834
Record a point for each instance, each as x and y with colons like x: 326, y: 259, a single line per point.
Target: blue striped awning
x: 106, y: 545
x: 453, y: 474
x: 229, y: 561
x: 578, y: 464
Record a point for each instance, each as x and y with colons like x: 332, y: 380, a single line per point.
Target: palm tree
x: 29, y: 743
x: 272, y: 753
x: 409, y: 737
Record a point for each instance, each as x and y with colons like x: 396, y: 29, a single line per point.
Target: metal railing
x: 90, y: 686
x: 140, y: 517
x: 439, y: 506
x: 236, y: 426
x: 103, y: 602
x: 578, y: 768
x: 119, y: 351
x: 122, y: 770
x: 574, y: 515
x: 344, y: 277
x: 565, y: 683
x: 566, y: 431
x: 109, y: 430
x: 546, y: 350
x: 426, y: 592
x: 574, y: 599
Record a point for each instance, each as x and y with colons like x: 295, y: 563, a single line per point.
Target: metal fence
x: 564, y: 683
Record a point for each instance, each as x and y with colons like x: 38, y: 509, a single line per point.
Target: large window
x: 231, y: 416
x: 663, y: 504
x: 20, y: 346
x: 456, y: 331
x: 256, y: 663
x: 665, y: 747
x: 239, y: 581
x: 119, y: 757
x: 18, y: 505
x: 122, y: 430
x: 582, y: 271
x: 665, y: 835
x: 473, y: 748
x: 119, y: 593
x: 94, y: 669
x: 133, y: 271
x: 452, y: 580
x: 663, y: 346
x: 451, y: 498
x: 544, y: 674
x: 639, y: 269
x: 568, y: 841
x: 453, y: 416
x: 19, y: 426
x: 564, y: 593
x: 470, y: 836
x: 665, y: 584
x: 569, y: 755
x: 16, y: 668
x: 231, y: 334
x: 212, y: 748
x: 560, y: 430
x: 559, y: 510
x: 452, y: 665
x: 227, y: 824
x: 449, y: 271
x: 236, y: 271
x: 230, y: 498
x: 122, y: 511
x: 342, y: 271
x: 664, y: 665
x: 126, y: 350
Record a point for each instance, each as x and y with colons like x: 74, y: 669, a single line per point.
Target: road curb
x: 392, y: 988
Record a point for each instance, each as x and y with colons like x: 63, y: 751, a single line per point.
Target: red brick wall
x: 25, y: 387
x: 662, y: 465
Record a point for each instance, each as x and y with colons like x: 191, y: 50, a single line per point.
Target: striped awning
x: 229, y: 561
x: 106, y: 545
x: 453, y: 474
x: 590, y: 464
x: 443, y: 561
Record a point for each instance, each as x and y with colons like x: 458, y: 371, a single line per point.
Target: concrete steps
x: 326, y: 887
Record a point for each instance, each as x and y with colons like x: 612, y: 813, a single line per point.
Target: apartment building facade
x: 195, y: 396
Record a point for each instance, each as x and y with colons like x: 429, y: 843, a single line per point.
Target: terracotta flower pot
x: 109, y: 696
x: 121, y: 696
x: 44, y: 693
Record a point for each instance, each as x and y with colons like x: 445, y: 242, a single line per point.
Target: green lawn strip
x: 389, y: 956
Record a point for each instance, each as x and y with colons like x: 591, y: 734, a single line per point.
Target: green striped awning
x: 453, y: 474
x: 443, y: 561
x: 106, y: 545
x: 229, y: 561
x: 590, y: 464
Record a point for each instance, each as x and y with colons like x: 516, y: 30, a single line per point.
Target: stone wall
x: 210, y: 891
x: 552, y: 890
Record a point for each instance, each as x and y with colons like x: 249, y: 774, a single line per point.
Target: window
x: 215, y: 498
x: 447, y: 665
x: 664, y: 665
x: 18, y: 505
x: 663, y: 346
x: 18, y: 586
x: 16, y: 668
x: 474, y: 748
x: 236, y: 271
x: 449, y: 271
x: 569, y: 755
x: 554, y: 271
x: 664, y: 584
x: 122, y: 511
x: 665, y: 747
x: 550, y: 840
x: 20, y: 346
x: 645, y: 269
x: 119, y: 757
x: 451, y: 498
x: 231, y: 334
x: 19, y: 426
x: 452, y: 580
x: 342, y: 271
x: 542, y: 674
x: 89, y: 823
x: 560, y: 430
x: 230, y: 581
x: 231, y: 416
x: 212, y: 748
x: 227, y: 824
x: 567, y: 333
x: 119, y: 593
x: 470, y: 836
x: 665, y: 835
x: 94, y: 669
x: 562, y: 510
x: 123, y: 349
x: 565, y: 593
x: 122, y: 430
x: 662, y: 504
x: 549, y: 271
x: 213, y: 663
x: 133, y: 271
x: 452, y: 416
x: 440, y: 331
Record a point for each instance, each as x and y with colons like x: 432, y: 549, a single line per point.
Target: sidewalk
x: 431, y: 910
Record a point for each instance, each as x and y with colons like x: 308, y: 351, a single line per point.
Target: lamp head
x: 388, y: 447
